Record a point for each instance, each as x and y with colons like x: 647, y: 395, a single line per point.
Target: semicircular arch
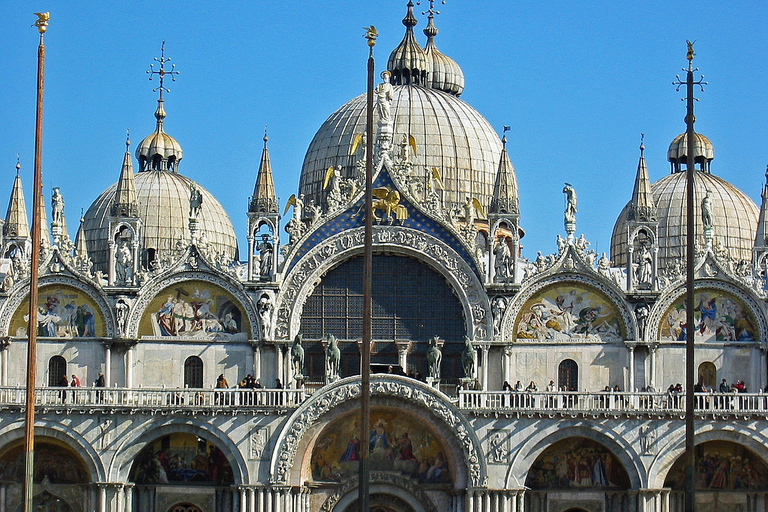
x: 128, y: 449
x: 297, y: 436
x: 14, y: 432
x: 738, y: 297
x: 85, y: 293
x: 403, y: 241
x: 585, y: 288
x: 544, y: 438
x: 671, y: 451
x: 205, y: 280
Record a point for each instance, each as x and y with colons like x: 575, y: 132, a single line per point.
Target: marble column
x: 652, y: 348
x: 107, y: 363
x: 484, y: 377
x: 250, y: 258
x: 508, y: 363
x: 111, y: 263
x: 403, y: 347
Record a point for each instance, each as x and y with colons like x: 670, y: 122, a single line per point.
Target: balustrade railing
x: 557, y: 402
x: 168, y: 398
x: 565, y: 402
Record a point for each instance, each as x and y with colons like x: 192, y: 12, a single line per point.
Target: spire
x: 642, y: 208
x: 81, y: 249
x: 264, y: 198
x: 408, y: 63
x: 506, y: 198
x: 761, y: 239
x: 125, y: 203
x: 16, y: 220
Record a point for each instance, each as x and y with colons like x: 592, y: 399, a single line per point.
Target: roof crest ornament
x: 431, y: 9
x: 642, y: 144
x: 162, y: 72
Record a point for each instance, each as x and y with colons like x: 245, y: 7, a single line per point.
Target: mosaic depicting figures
x: 398, y: 442
x: 568, y: 311
x: 722, y: 465
x: 181, y: 458
x: 194, y: 309
x: 577, y: 462
x: 54, y: 461
x: 62, y: 312
x: 719, y: 316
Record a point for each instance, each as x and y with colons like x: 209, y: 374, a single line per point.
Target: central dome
x: 450, y: 135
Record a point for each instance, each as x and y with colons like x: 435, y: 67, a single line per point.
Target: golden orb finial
x: 42, y: 21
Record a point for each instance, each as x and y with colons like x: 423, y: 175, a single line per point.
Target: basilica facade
x: 178, y: 372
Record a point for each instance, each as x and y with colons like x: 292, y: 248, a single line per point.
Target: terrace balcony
x: 484, y: 403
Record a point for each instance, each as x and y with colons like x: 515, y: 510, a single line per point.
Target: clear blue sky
x: 577, y: 83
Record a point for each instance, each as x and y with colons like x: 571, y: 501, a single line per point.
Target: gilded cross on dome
x: 162, y: 71
x: 431, y: 9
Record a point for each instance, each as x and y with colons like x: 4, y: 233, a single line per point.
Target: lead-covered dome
x: 450, y: 135
x: 163, y: 207
x: 735, y: 218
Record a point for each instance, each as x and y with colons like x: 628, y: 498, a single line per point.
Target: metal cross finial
x: 700, y: 82
x: 18, y: 164
x: 431, y: 9
x: 162, y: 72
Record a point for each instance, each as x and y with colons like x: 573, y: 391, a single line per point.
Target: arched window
x: 411, y: 302
x: 193, y: 372
x: 57, y: 366
x: 568, y: 375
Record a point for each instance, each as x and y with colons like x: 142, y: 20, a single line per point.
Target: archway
x: 726, y: 474
x: 383, y: 503
x: 61, y: 477
x: 577, y: 463
x: 184, y: 507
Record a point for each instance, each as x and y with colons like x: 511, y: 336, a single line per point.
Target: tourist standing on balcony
x: 100, y: 383
x: 63, y: 383
x: 221, y: 383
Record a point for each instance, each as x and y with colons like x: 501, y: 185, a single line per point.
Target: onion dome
x: 408, y: 63
x: 445, y: 74
x: 734, y: 214
x: 159, y: 151
x: 450, y: 135
x: 703, y: 154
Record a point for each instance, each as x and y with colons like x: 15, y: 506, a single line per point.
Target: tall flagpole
x: 365, y: 354
x: 37, y: 191
x: 690, y: 328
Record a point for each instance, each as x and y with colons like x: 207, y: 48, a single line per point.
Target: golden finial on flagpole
x: 42, y: 21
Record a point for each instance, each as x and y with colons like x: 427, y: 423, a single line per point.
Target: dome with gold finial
x: 162, y: 202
